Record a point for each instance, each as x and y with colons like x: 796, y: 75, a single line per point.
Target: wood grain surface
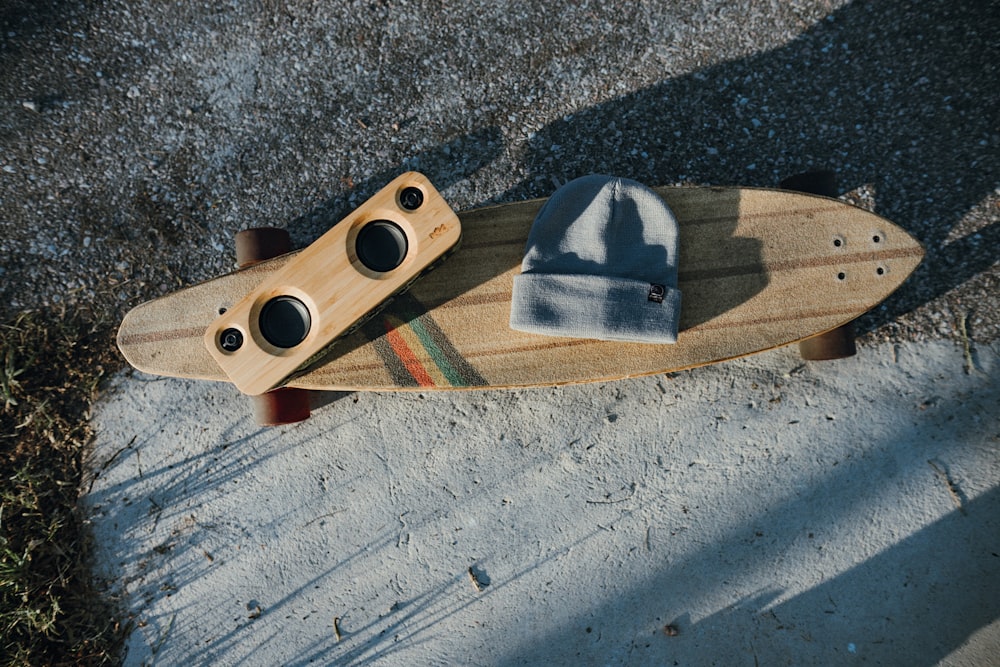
x: 333, y: 283
x: 759, y: 269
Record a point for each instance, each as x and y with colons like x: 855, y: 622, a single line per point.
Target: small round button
x: 231, y: 340
x: 284, y: 321
x: 411, y: 198
x: 381, y: 245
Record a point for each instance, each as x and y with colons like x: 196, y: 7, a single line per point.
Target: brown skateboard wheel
x: 284, y: 405
x: 259, y: 243
x: 835, y: 344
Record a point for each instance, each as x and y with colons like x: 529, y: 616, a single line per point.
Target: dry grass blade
x: 50, y: 611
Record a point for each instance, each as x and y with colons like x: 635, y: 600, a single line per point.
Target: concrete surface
x: 773, y: 512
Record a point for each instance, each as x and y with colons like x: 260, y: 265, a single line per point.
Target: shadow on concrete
x: 917, y: 593
x: 943, y: 584
x: 916, y: 601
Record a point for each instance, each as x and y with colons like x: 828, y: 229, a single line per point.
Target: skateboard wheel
x: 835, y: 344
x: 285, y: 405
x: 382, y: 245
x: 260, y: 243
x: 813, y: 182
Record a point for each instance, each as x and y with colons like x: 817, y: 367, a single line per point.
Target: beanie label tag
x: 656, y: 293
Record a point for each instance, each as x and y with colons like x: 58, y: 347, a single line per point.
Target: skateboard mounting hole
x: 841, y: 276
x: 880, y: 271
x: 877, y: 239
x: 222, y: 311
x: 837, y: 243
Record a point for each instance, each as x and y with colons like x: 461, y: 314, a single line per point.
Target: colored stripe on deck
x: 405, y: 354
x: 451, y: 376
x: 416, y: 352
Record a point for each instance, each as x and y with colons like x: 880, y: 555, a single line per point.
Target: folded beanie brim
x: 600, y: 307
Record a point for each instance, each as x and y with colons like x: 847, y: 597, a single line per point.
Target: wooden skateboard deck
x: 758, y: 268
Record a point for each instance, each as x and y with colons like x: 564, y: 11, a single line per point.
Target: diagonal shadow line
x: 429, y: 608
x: 193, y: 476
x: 222, y: 646
x: 756, y: 120
x: 965, y: 582
x: 409, y: 621
x: 954, y: 545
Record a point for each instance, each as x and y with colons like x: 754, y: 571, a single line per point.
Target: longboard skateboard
x: 758, y: 269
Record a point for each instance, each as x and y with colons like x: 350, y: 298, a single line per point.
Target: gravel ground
x: 137, y: 137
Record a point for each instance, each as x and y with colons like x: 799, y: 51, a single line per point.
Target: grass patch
x: 51, y: 613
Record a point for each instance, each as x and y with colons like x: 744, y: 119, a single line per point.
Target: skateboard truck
x: 320, y: 294
x: 283, y: 405
x: 837, y: 343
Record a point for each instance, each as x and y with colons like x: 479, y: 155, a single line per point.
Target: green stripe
x: 453, y: 376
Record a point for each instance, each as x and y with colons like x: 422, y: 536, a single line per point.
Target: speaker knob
x: 285, y: 321
x: 381, y: 245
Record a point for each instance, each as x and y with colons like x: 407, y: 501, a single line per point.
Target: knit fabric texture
x: 601, y: 262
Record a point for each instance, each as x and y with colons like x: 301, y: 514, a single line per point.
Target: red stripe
x: 405, y: 354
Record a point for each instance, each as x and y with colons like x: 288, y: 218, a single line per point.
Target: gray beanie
x: 601, y: 263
